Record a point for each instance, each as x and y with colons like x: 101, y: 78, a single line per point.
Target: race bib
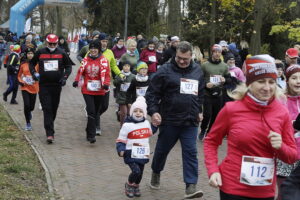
x: 232, y: 74
x: 215, y: 79
x: 124, y: 87
x: 188, y: 86
x: 257, y: 171
x: 51, y: 65
x: 28, y: 80
x: 141, y: 91
x: 140, y: 150
x: 93, y: 85
x: 152, y: 58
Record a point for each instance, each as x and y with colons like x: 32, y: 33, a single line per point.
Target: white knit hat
x: 140, y: 103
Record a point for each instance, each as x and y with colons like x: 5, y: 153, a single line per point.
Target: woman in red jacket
x: 95, y: 73
x: 258, y: 129
x: 148, y: 56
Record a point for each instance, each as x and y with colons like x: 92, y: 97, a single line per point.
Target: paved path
x: 84, y: 171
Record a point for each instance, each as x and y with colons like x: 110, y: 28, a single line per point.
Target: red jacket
x: 94, y: 69
x: 149, y: 57
x: 247, y: 125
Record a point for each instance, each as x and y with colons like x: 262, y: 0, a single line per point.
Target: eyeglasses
x: 52, y: 44
x: 183, y: 59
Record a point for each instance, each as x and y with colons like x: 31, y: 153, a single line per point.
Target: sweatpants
x: 211, y: 108
x: 225, y: 196
x: 103, y: 107
x: 167, y: 138
x: 93, y: 104
x: 29, y: 103
x: 13, y: 87
x: 49, y: 98
x: 290, y: 188
x: 136, y: 173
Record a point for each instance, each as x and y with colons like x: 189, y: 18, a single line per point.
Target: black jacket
x: 168, y: 54
x: 164, y: 96
x: 13, y: 64
x: 51, y: 77
x: 131, y: 92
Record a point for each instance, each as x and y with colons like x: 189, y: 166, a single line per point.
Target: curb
x: 47, y: 172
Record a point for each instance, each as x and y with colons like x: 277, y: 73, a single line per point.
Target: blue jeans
x: 167, y: 138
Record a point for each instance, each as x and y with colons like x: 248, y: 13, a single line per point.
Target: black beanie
x: 95, y: 44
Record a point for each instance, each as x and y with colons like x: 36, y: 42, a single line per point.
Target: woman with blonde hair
x: 258, y: 130
x: 130, y: 56
x: 197, y: 55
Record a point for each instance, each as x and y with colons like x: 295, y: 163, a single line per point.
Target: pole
x: 126, y: 19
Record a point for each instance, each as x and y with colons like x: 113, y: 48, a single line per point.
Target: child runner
x: 133, y: 145
x: 29, y: 87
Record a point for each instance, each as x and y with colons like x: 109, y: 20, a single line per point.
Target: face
x: 138, y: 113
x: 183, y: 60
x: 29, y: 55
x: 160, y: 48
x: 280, y: 72
x: 151, y: 46
x: 263, y: 89
x: 51, y: 45
x: 1, y: 39
x: 290, y: 61
x: 62, y: 41
x: 104, y: 44
x: 294, y: 84
x: 94, y: 51
x: 95, y: 37
x: 216, y: 55
x: 143, y: 71
x: 175, y: 43
x: 126, y: 68
x: 231, y: 62
x: 132, y: 47
x: 121, y: 42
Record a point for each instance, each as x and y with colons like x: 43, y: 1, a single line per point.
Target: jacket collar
x: 253, y: 105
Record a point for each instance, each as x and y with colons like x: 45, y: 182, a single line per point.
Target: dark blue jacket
x: 163, y: 95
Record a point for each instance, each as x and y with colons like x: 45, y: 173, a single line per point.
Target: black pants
x: 13, y: 86
x: 103, y: 107
x: 49, y: 98
x: 225, y: 196
x: 29, y: 103
x: 211, y: 108
x: 290, y: 188
x: 93, y: 105
x: 136, y: 173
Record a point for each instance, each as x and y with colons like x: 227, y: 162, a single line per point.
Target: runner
x: 29, y: 87
x: 258, y: 129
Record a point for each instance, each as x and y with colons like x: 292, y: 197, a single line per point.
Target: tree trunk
x: 212, y: 39
x: 174, y: 17
x: 58, y: 21
x: 255, y: 42
x: 42, y: 20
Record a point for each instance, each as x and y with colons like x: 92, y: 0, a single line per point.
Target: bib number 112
x: 258, y: 171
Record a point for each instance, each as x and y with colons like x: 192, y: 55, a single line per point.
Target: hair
x: 160, y: 44
x: 241, y: 90
x: 184, y: 47
x: 131, y: 42
x: 244, y: 44
x: 198, y: 54
x: 297, y: 46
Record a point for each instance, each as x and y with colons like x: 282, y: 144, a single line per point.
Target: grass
x: 21, y: 174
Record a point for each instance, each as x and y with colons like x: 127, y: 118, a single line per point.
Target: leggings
x: 136, y: 174
x: 124, y: 111
x: 29, y: 103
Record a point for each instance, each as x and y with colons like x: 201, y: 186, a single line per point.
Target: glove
x: 122, y: 76
x: 63, y: 82
x: 75, y: 84
x: 296, y: 123
x: 36, y: 76
x: 105, y: 87
x: 22, y: 84
x: 149, y: 62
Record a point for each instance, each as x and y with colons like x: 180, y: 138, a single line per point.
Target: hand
x: 209, y: 85
x: 63, y: 82
x: 121, y: 153
x: 215, y: 180
x: 200, y: 117
x: 75, y: 84
x: 122, y: 76
x: 275, y: 139
x: 156, y: 119
x: 222, y: 79
x: 105, y: 87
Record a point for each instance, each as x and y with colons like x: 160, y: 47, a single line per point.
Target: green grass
x: 21, y: 174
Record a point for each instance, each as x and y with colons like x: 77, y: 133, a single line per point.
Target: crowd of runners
x: 251, y: 101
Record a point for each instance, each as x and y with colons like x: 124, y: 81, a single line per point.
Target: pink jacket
x: 247, y: 126
x: 293, y: 105
x: 238, y: 73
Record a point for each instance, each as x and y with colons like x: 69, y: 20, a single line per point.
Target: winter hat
x: 141, y: 65
x: 260, y: 66
x: 28, y: 38
x: 140, y: 103
x: 95, y: 44
x: 102, y: 36
x: 95, y: 33
x: 292, y: 53
x: 17, y: 48
x: 216, y: 47
x: 291, y: 70
x: 223, y: 43
x: 229, y: 56
x: 151, y: 42
x: 175, y: 38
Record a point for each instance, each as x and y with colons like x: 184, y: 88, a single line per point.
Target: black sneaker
x: 129, y: 190
x: 91, y: 140
x: 118, y: 115
x: 191, y: 192
x: 202, y: 135
x: 50, y: 139
x: 13, y: 102
x: 136, y: 190
x: 4, y: 97
x: 155, y: 181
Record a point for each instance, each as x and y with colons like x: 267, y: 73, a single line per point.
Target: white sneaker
x: 98, y: 131
x: 86, y: 114
x: 40, y: 106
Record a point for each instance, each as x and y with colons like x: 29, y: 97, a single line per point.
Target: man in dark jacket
x: 171, y: 51
x: 174, y: 99
x: 54, y: 70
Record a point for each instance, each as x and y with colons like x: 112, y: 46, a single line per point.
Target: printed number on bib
x: 51, y: 65
x: 140, y: 150
x: 28, y: 80
x: 215, y: 79
x: 141, y: 91
x: 152, y: 58
x: 257, y: 171
x: 93, y: 85
x: 124, y: 87
x: 188, y: 86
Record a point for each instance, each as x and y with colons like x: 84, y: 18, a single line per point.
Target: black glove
x: 63, y: 82
x: 296, y: 123
x: 75, y: 84
x: 105, y: 87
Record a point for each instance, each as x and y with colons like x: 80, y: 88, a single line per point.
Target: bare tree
x: 174, y: 16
